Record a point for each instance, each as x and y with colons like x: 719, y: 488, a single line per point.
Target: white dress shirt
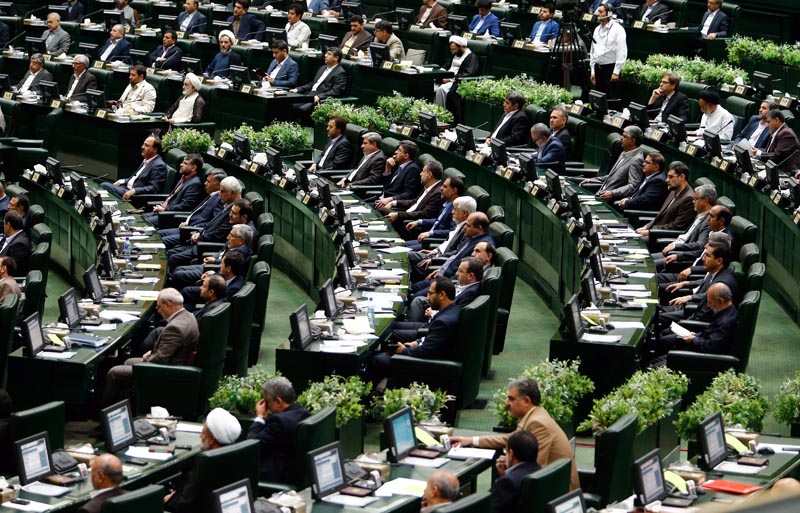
x: 185, y: 110
x: 720, y: 122
x: 297, y: 34
x: 609, y: 47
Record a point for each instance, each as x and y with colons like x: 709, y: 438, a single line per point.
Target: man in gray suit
x: 174, y: 345
x: 55, y: 38
x: 696, y: 235
x: 35, y: 74
x: 626, y: 175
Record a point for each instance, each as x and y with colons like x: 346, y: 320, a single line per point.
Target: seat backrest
x: 388, y: 145
x: 214, y: 326
x: 239, y: 334
x: 739, y: 106
x: 481, y: 197
x: 613, y: 457
x: 265, y: 224
x: 144, y: 500
x: 49, y: 417
x: 678, y: 8
x: 34, y: 294
x: 727, y: 202
x: 41, y: 233
x: 453, y: 172
x: 502, y: 234
x: 475, y: 503
x: 496, y: 213
x: 545, y: 485
x: 222, y: 466
x: 536, y: 114
x: 421, y: 39
x: 748, y: 255
x: 266, y: 248
x: 40, y: 258
x: 257, y: 202
x: 692, y: 90
x: 174, y: 157
x: 312, y: 433
x: 491, y: 285
x: 483, y: 50
x: 260, y: 276
x: 509, y: 263
x: 733, y: 11
x: 577, y: 131
x: 745, y: 328
x: 8, y: 315
x: 35, y: 215
x: 469, y: 351
x: 755, y: 277
x: 743, y: 231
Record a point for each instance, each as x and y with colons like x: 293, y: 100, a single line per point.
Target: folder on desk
x: 81, y: 339
x: 723, y: 485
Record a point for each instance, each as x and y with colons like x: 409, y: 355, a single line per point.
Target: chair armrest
x: 210, y: 267
x: 171, y: 219
x: 689, y: 361
x: 695, y: 326
x: 640, y: 217
x: 581, y: 172
x: 333, y: 174
x: 209, y: 247
x: 431, y: 242
x: 187, y: 231
x: 366, y: 191
x: 574, y: 164
x: 664, y: 234
x: 142, y: 200
x: 266, y: 489
x: 412, y: 366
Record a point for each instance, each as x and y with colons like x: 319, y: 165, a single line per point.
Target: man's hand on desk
x: 605, y: 195
x: 384, y: 203
x: 195, y: 237
x: 684, y: 275
x: 391, y: 217
x: 669, y: 247
x: 673, y: 287
x: 292, y: 90
x: 433, y: 275
x: 670, y: 259
x: 680, y: 300
x: 129, y: 194
x: 463, y: 441
x: 585, y: 182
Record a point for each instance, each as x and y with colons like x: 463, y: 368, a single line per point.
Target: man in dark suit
x: 232, y: 267
x: 220, y: 65
x: 666, y: 100
x: 275, y: 427
x: 440, y: 226
x: 116, y: 48
x: 106, y: 479
x: 188, y: 192
x: 191, y: 21
x: 15, y: 243
x: 203, y: 213
x: 652, y: 190
x: 401, y: 176
x: 696, y: 236
x: 783, y: 149
x: 212, y: 294
x: 358, y: 39
x: 35, y: 74
x: 558, y: 124
x: 338, y: 152
x: 441, y: 488
x: 653, y: 11
x: 677, y: 211
x: 239, y: 241
x: 330, y: 81
x: 715, y: 23
x: 756, y: 130
x: 626, y: 174
x: 514, y: 127
x: 81, y: 79
x: 463, y: 64
x: 719, y: 219
x: 168, y: 55
x: 485, y: 21
x: 520, y: 461
x: 149, y: 178
x: 427, y: 204
x: 370, y: 168
x: 432, y: 15
x: 283, y: 71
x: 75, y: 10
x: 551, y: 153
x: 57, y: 40
x: 420, y: 260
x: 243, y: 24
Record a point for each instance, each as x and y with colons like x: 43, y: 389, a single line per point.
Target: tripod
x: 569, y: 59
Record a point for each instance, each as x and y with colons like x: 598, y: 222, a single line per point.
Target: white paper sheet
x: 604, y: 339
x: 424, y: 462
x: 189, y: 428
x: 139, y: 280
x: 376, y: 228
x: 149, y: 245
x: 395, y: 250
x: 349, y: 500
x: 471, y: 452
x: 358, y: 209
x: 102, y: 327
x: 735, y: 468
x: 634, y: 293
x: 633, y: 251
x: 630, y: 286
x: 45, y: 489
x: 118, y: 315
x: 628, y: 324
x: 384, y: 297
x: 66, y: 355
x: 145, y: 454
x: 641, y: 275
x: 144, y: 295
x: 31, y: 506
x: 679, y: 330
x: 402, y: 486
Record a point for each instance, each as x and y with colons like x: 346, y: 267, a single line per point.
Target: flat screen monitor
x: 328, y: 41
x: 167, y: 22
x: 61, y: 10
x: 350, y: 9
x: 33, y: 458
x: 465, y: 137
x: 68, y: 308
x: 272, y: 34
x: 509, y: 32
x: 140, y: 57
x: 192, y: 65
x: 348, y: 228
x: 327, y: 470
x: 773, y: 176
x: 762, y: 83
x: 588, y: 289
x: 117, y: 422
x: 220, y: 25
x: 428, y: 124
x: 240, y: 75
x: 91, y: 282
x: 499, y: 154
x: 96, y: 201
x: 349, y: 252
x: 405, y: 18
x: 399, y: 429
x: 35, y: 45
x: 274, y: 161
x: 327, y: 299
x: 586, y: 215
x: 711, y: 434
x: 554, y: 184
x: 343, y: 272
x: 341, y: 214
x: 301, y: 328
x: 571, y: 502
x: 457, y: 24
x: 78, y: 186
x: 596, y: 263
x: 528, y: 166
x: 743, y: 160
x: 572, y: 318
x: 627, y: 13
x: 234, y: 498
x: 301, y: 175
x: 639, y: 115
x: 677, y: 128
x: 88, y: 49
x: 32, y: 336
x: 573, y: 200
x: 712, y: 143
x: 5, y: 83
x: 599, y: 103
x: 48, y: 91
x: 325, y: 197
x: 242, y: 146
x: 54, y: 170
x: 648, y: 478
x: 95, y: 99
x: 379, y: 53
x: 113, y: 17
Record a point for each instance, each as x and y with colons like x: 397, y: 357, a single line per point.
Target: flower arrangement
x: 787, y: 402
x: 494, y: 90
x: 286, y: 136
x: 365, y: 116
x: 649, y: 394
x: 737, y: 396
x: 189, y: 140
x: 345, y: 394
x: 401, y: 109
x: 741, y: 48
x: 561, y: 386
x: 239, y: 395
x: 692, y: 70
x: 425, y: 403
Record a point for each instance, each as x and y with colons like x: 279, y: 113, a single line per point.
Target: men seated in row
x: 173, y: 345
x: 432, y: 15
x: 140, y: 95
x: 653, y: 11
x: 551, y: 153
x: 220, y: 65
x: 358, y: 39
x: 783, y: 148
x: 384, y: 34
x: 239, y: 241
x: 81, y: 79
x: 243, y: 24
x: 338, y: 152
x: 666, y: 100
x: 440, y: 226
x: 330, y: 81
x: 8, y: 285
x: 687, y: 253
x: 232, y: 268
x: 463, y: 64
x: 5, y: 199
x: 626, y: 174
x: 428, y: 204
x: 35, y: 74
x: 283, y: 71
x: 523, y: 401
x: 558, y: 124
x: 696, y: 236
x: 56, y: 39
x: 169, y: 54
x: 149, y: 178
x: 485, y: 21
x: 203, y: 213
x: 191, y: 21
x: 715, y: 117
x: 21, y: 204
x: 681, y: 271
x: 441, y: 488
x: 652, y: 191
x: 372, y: 165
x: 298, y: 33
x: 545, y: 31
x: 190, y: 107
x: 514, y: 127
x: 188, y: 192
x: 15, y: 243
x: 677, y: 211
x: 401, y: 177
x: 756, y: 131
x: 116, y: 48
x: 522, y: 450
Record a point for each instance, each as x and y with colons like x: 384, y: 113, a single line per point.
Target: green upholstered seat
x: 40, y: 233
x: 743, y: 231
x: 35, y: 215
x: 475, y: 503
x: 49, y: 417
x: 260, y: 275
x: 727, y: 202
x: 545, y: 485
x: 678, y: 8
x: 480, y: 196
x: 34, y: 294
x: 222, y: 466
x: 502, y: 234
x: 265, y: 224
x: 453, y: 172
x: 265, y: 248
x: 240, y: 326
x: 496, y: 213
x: 613, y: 457
x: 8, y: 316
x: 40, y: 261
x: 491, y: 285
x: 149, y: 499
x: 509, y: 263
x: 577, y: 131
x: 257, y: 202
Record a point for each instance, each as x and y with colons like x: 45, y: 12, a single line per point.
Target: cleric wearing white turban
x: 190, y: 107
x: 222, y: 426
x: 459, y: 50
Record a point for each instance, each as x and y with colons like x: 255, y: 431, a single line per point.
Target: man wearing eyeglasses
x: 677, y: 212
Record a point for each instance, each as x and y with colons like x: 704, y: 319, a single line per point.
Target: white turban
x: 194, y: 80
x: 227, y: 33
x: 460, y: 41
x: 224, y: 426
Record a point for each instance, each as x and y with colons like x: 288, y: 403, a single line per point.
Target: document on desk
x: 734, y: 468
x: 101, y: 327
x: 142, y: 281
x: 634, y: 325
x: 145, y: 454
x: 402, y: 486
x: 358, y: 325
x: 66, y: 355
x: 424, y: 462
x: 45, y: 489
x: 144, y: 295
x: 31, y: 506
x: 389, y: 297
x: 387, y: 274
x: 395, y: 250
x: 119, y: 315
x: 603, y: 339
x: 336, y: 349
x: 631, y: 286
x: 149, y: 245
x: 148, y: 267
x: 189, y: 428
x: 639, y: 274
x: 358, y: 209
x: 781, y: 448
x: 634, y: 251
x: 462, y: 453
x: 376, y: 228
x: 634, y: 293
x: 349, y: 500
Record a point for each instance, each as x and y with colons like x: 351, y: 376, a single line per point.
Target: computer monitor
x: 573, y: 200
x: 220, y: 25
x: 242, y: 145
x: 274, y: 161
x: 457, y: 24
x: 341, y: 215
x: 648, y: 478
x: 95, y: 99
x: 627, y: 13
x: 677, y: 128
x: 399, y: 429
x: 586, y: 215
x: 5, y: 83
x: 572, y: 318
x: 428, y: 124
x: 91, y: 282
x: 140, y: 57
x: 405, y: 18
x: 166, y: 21
x: 596, y: 263
x: 499, y: 153
x: 68, y: 308
x: 48, y: 91
x: 327, y: 299
x: 32, y: 336
x: 599, y: 103
x: 743, y: 159
x: 61, y: 10
x: 33, y: 458
x: 509, y: 32
x: 349, y: 252
x: 712, y: 143
x: 325, y: 198
x: 328, y: 41
x: 528, y: 166
x: 272, y: 34
x: 773, y: 176
x: 350, y: 9
x: 343, y: 272
x: 711, y: 433
x: 117, y: 422
x: 465, y: 137
x: 240, y: 75
x: 89, y: 49
x: 639, y: 115
x: 762, y: 83
x: 554, y: 185
x: 571, y: 502
x: 95, y: 200
x: 35, y: 45
x: 379, y: 53
x: 234, y: 498
x: 301, y: 177
x: 588, y: 289
x: 54, y: 170
x: 327, y: 470
x: 113, y: 17
x: 301, y: 328
x: 192, y: 65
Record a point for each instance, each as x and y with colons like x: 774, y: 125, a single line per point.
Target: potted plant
x: 780, y: 60
x: 346, y: 394
x: 258, y: 140
x: 288, y: 137
x: 654, y: 396
x: 364, y: 116
x: 239, y: 395
x: 737, y: 396
x: 561, y: 385
x: 787, y: 404
x: 189, y: 140
x: 425, y: 403
x: 399, y: 109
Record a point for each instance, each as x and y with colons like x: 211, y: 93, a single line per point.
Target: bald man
x: 106, y: 478
x: 442, y: 488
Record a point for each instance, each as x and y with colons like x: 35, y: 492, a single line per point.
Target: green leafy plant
x: 365, y: 116
x: 345, y: 394
x: 404, y: 109
x: 493, y: 90
x: 425, y: 403
x: 737, y: 396
x: 286, y: 136
x: 693, y: 70
x: 258, y: 141
x: 561, y: 385
x: 787, y: 402
x: 189, y: 140
x: 649, y: 394
x: 239, y: 395
x: 742, y: 48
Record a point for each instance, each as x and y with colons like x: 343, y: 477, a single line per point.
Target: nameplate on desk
x: 556, y: 208
x: 785, y: 102
x: 478, y: 158
x: 575, y: 109
x: 222, y: 153
x: 656, y: 134
x: 47, y: 57
x: 35, y: 177
x: 519, y: 43
x: 101, y: 113
x: 724, y: 165
x: 443, y: 144
x: 407, y: 130
x: 256, y: 168
x: 305, y: 198
x: 638, y: 24
x: 618, y: 121
x: 151, y: 71
x: 796, y: 218
x: 535, y: 10
x: 55, y: 104
x: 308, y: 14
x: 98, y: 64
x: 753, y: 182
x: 468, y: 35
x: 246, y: 89
x: 8, y: 95
x: 740, y: 89
x: 387, y: 65
x: 691, y: 150
x: 508, y: 174
x: 282, y: 183
x: 181, y: 34
x: 571, y: 226
x: 80, y: 207
x: 60, y: 192
x: 588, y: 17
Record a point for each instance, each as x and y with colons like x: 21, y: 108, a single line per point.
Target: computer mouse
x: 766, y: 450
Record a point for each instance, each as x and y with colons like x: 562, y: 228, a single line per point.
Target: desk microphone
x: 252, y: 34
x: 659, y: 15
x: 14, y: 39
x: 792, y: 154
x: 92, y: 13
x: 481, y: 125
x: 383, y: 13
x: 33, y: 11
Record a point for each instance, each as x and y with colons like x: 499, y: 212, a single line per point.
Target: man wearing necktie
x: 369, y: 170
x: 117, y: 48
x: 283, y: 71
x: 168, y: 55
x: 783, y: 149
x: 148, y: 178
x: 338, y: 153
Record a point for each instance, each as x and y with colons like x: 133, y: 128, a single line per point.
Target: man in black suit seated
x: 338, y: 152
x: 651, y: 193
x: 425, y: 206
x: 80, y: 80
x: 232, y: 268
x: 168, y: 55
x: 401, y: 177
x: 514, y: 128
x: 239, y: 241
x: 719, y: 218
x: 35, y: 74
x: 783, y: 149
x: 370, y: 168
x: 188, y: 192
x: 149, y: 178
x: 15, y: 243
x: 21, y: 204
x: 106, y: 479
x: 190, y: 20
x: 756, y: 131
x: 75, y: 10
x: 551, y: 153
x: 715, y: 23
x: 558, y: 124
x: 653, y: 11
x: 358, y: 39
x: 666, y: 100
x: 275, y: 426
x: 520, y: 461
x: 330, y: 81
x: 696, y: 236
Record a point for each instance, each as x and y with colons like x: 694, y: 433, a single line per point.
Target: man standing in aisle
x: 608, y: 54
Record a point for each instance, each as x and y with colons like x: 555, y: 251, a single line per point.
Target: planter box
x: 351, y: 436
x: 795, y: 429
x: 661, y: 435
